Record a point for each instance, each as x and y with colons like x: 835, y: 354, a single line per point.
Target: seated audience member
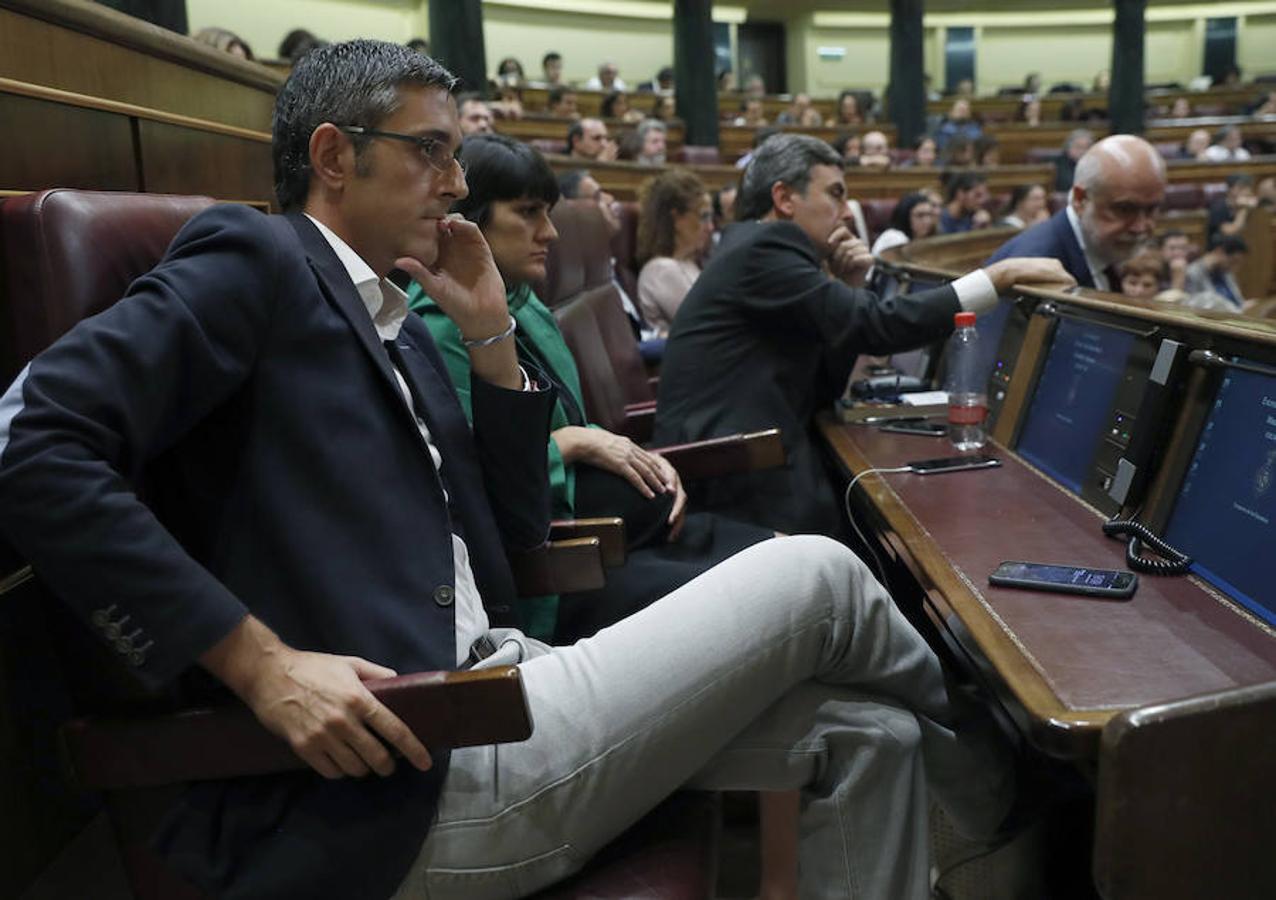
x: 965, y: 88
x: 588, y: 139
x: 664, y: 108
x: 475, y: 115
x: 1211, y: 280
x: 1075, y: 146
x: 958, y: 124
x: 675, y: 222
x: 225, y: 41
x: 1264, y: 106
x: 1029, y: 112
x: 297, y: 43
x: 1195, y: 145
x: 1227, y: 146
x: 1032, y: 84
x: 1110, y: 216
x: 510, y: 67
x: 987, y: 152
x: 1027, y: 207
x: 616, y: 106
x: 800, y: 105
x: 928, y: 88
x: 578, y: 184
x: 769, y: 332
x: 925, y: 153
x: 849, y: 146
x: 1181, y: 108
x: 966, y: 198
x: 754, y: 86
x: 1102, y: 82
x: 662, y: 83
x: 959, y: 152
x: 913, y: 218
x: 803, y: 638
x: 607, y: 79
x: 562, y: 103
x: 751, y: 114
x: 848, y: 114
x: 509, y: 98
x: 875, y: 150
x: 1176, y: 251
x: 627, y: 145
x: 552, y: 69
x: 592, y: 472
x: 652, y: 140
x: 1142, y: 275
x: 420, y: 45
x: 1229, y: 213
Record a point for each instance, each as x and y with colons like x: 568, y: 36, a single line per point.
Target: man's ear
x: 331, y: 156
x: 782, y: 199
x: 1076, y: 197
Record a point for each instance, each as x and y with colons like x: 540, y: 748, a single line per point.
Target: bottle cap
x: 964, y: 319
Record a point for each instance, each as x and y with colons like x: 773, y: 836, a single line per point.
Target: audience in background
x: 1264, y: 106
x: 1075, y: 146
x: 958, y: 124
x: 510, y: 66
x: 562, y: 103
x: 800, y: 112
x: 1211, y: 280
x: 1027, y: 207
x: 964, y: 204
x: 1229, y: 213
x: 662, y: 83
x: 616, y: 106
x: 475, y: 115
x: 848, y: 145
x: 1029, y: 112
x: 1142, y: 275
x: 1266, y: 192
x: 875, y: 150
x: 588, y: 139
x: 723, y: 209
x: 509, y: 98
x: 652, y: 138
x: 848, y: 111
x: 987, y: 151
x: 1227, y: 146
x: 754, y: 86
x: 297, y: 43
x: 1195, y: 145
x: 1181, y: 108
x: 1102, y: 82
x: 675, y: 225
x: 420, y: 45
x: 959, y: 152
x: 552, y: 69
x: 664, y: 107
x: 965, y: 88
x: 225, y: 41
x: 751, y: 114
x: 1176, y: 251
x: 925, y: 153
x: 914, y: 217
x: 607, y: 79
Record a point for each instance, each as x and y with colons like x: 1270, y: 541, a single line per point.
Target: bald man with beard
x: 1110, y: 216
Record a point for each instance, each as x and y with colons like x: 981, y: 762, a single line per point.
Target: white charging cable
x: 881, y: 570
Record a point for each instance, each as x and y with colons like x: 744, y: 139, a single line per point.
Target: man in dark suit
x: 769, y: 333
x: 1110, y: 216
x: 319, y: 514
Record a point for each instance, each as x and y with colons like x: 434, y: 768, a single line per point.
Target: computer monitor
x: 1072, y: 410
x: 1225, y: 509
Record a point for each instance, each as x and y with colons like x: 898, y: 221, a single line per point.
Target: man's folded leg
x: 785, y: 646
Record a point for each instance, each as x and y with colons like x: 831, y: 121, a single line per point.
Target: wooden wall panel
x: 54, y: 145
x: 178, y: 160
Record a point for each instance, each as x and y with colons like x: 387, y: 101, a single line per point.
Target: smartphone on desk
x: 926, y: 427
x: 952, y: 464
x: 1112, y: 584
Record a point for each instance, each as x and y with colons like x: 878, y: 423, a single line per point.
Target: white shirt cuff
x: 975, y: 292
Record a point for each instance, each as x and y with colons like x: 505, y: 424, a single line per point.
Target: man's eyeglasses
x: 433, y: 150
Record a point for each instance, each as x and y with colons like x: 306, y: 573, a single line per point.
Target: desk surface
x: 1071, y: 662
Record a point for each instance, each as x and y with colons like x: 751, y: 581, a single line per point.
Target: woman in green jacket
x: 592, y: 471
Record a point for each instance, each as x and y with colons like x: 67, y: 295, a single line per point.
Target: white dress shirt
x: 388, y: 308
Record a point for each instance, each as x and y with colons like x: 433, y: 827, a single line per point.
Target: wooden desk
x: 1069, y: 663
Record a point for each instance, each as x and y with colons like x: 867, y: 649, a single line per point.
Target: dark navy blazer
x: 1053, y: 238
x: 243, y: 380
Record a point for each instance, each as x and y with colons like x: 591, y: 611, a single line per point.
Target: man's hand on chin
x: 849, y: 259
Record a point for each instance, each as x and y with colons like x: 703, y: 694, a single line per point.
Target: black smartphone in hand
x: 1112, y: 584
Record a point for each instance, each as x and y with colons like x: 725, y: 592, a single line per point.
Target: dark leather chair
x: 877, y: 214
x: 1038, y: 155
x: 1185, y: 799
x: 69, y: 254
x: 696, y: 155
x: 624, y: 249
x: 1184, y: 196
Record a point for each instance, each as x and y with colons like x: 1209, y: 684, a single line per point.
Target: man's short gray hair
x: 787, y: 158
x: 647, y: 125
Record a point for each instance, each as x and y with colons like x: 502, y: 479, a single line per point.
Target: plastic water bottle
x: 966, y: 385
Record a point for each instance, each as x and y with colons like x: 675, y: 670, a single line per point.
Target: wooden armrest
x: 443, y: 709
x: 560, y: 567
x: 610, y: 532
x: 640, y: 421
x: 728, y: 455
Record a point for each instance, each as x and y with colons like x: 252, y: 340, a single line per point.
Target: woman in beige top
x: 675, y: 224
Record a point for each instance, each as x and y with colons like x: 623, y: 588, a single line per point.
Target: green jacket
x: 540, y: 341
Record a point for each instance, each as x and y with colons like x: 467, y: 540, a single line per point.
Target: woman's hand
x: 648, y: 473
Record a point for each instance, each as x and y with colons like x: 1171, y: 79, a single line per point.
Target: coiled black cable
x: 1172, y: 562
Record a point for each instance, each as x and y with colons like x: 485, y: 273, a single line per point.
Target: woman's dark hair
x: 500, y: 168
x: 859, y: 107
x: 608, y: 108
x: 669, y: 194
x: 1019, y: 194
x: 902, y: 217
x: 509, y: 65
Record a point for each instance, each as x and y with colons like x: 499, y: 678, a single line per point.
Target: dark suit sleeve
x: 788, y: 290
x: 84, y: 418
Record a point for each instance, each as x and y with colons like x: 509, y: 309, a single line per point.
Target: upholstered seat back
x: 581, y: 257
x: 70, y: 254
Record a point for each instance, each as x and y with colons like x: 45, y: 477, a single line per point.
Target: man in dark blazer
x: 769, y: 333
x: 1109, y: 217
x: 319, y: 514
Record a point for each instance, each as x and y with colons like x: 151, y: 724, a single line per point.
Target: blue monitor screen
x: 1223, y: 517
x: 991, y: 326
x: 1074, y: 398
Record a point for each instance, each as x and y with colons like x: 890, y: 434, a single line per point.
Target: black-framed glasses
x: 434, y: 151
